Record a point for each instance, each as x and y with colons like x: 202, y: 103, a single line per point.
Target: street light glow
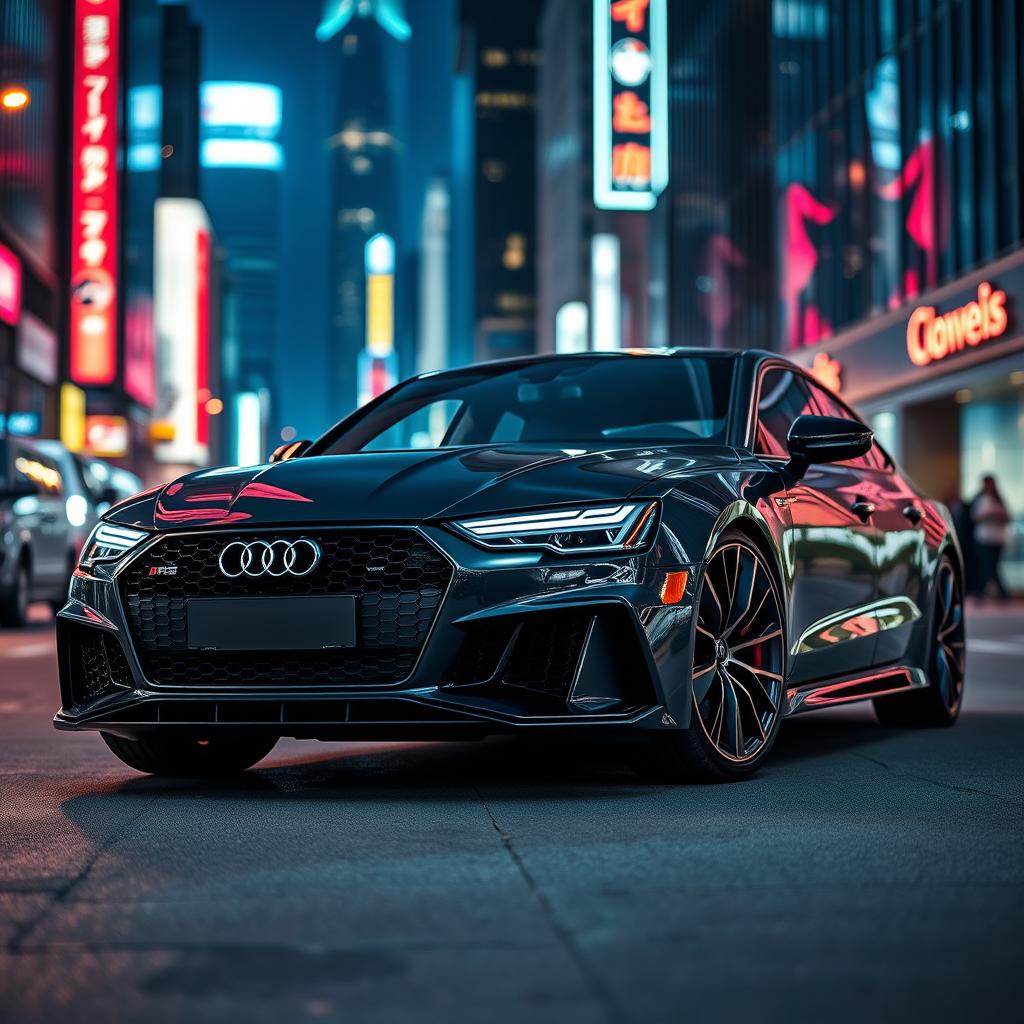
x: 15, y: 97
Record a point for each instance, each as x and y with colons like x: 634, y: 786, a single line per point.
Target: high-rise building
x: 363, y: 150
x: 496, y: 145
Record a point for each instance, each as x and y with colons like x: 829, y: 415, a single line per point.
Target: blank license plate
x: 271, y: 623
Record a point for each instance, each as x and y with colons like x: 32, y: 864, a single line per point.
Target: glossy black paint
x: 855, y: 552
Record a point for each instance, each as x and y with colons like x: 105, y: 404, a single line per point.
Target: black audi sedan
x: 679, y: 547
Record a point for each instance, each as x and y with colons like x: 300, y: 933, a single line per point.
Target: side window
x: 783, y: 397
x: 823, y: 404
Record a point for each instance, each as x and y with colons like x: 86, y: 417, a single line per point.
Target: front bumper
x: 520, y: 640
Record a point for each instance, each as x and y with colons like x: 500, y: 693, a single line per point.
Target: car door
x: 897, y: 516
x: 830, y: 542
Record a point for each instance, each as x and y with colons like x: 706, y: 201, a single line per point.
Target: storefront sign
x: 932, y: 336
x: 94, y: 195
x: 10, y: 286
x: 630, y: 103
x: 37, y: 349
x: 106, y: 437
x: 962, y: 324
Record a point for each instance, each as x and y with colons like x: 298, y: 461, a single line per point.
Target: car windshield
x: 612, y: 401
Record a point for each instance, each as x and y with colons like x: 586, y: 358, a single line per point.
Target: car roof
x: 693, y: 351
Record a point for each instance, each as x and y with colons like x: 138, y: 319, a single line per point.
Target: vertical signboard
x: 94, y: 197
x: 376, y: 367
x: 630, y: 103
x: 182, y: 248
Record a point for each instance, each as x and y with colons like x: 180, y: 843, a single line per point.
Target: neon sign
x: 94, y: 198
x: 630, y: 103
x: 932, y: 336
x: 10, y: 286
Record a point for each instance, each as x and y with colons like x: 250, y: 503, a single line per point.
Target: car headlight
x: 107, y: 543
x: 567, y: 531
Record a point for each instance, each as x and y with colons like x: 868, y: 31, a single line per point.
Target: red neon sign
x: 10, y: 286
x: 933, y: 336
x: 94, y: 197
x: 202, y: 335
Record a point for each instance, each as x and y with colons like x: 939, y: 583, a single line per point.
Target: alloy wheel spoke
x: 733, y: 725
x: 750, y: 701
x: 758, y: 640
x: 757, y: 680
x: 759, y: 671
x: 736, y: 617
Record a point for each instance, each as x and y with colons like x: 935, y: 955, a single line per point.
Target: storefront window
x: 992, y: 443
x: 932, y: 89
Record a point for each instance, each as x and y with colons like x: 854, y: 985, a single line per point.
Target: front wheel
x: 186, y: 757
x: 938, y: 703
x: 739, y: 656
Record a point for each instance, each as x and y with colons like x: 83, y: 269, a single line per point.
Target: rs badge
x: 163, y: 570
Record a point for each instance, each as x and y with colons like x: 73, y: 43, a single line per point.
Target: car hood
x: 406, y: 486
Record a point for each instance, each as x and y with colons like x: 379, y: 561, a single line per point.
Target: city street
x: 863, y: 874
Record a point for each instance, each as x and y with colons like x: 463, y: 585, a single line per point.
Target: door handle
x: 863, y: 510
x: 914, y: 513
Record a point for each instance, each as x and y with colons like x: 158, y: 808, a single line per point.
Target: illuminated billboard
x: 240, y: 123
x: 630, y: 103
x: 182, y: 317
x: 94, y: 192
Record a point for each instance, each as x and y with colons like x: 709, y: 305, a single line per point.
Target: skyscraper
x: 498, y: 56
x: 363, y: 152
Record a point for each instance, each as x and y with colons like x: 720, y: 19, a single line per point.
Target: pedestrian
x: 963, y: 524
x: 991, y: 522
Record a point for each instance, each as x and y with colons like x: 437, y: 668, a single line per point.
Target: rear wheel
x: 14, y: 604
x: 738, y: 664
x: 939, y: 703
x: 187, y: 757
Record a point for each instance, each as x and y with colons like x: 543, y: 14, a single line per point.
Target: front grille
x: 99, y: 664
x: 397, y: 577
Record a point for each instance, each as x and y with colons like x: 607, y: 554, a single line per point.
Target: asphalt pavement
x: 864, y: 874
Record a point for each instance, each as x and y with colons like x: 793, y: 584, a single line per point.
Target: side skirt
x: 848, y: 691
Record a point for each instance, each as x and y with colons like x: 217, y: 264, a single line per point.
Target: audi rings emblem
x: 269, y: 558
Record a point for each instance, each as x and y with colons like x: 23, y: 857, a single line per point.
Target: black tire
x: 14, y: 604
x: 746, y: 617
x: 939, y: 703
x: 188, y: 757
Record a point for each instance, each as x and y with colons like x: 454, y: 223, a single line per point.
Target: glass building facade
x: 898, y: 152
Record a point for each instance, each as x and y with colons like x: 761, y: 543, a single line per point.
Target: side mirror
x: 815, y: 439
x: 284, y: 452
